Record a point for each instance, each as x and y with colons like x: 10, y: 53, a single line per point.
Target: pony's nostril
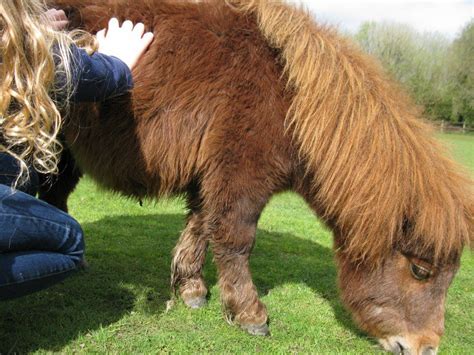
x: 429, y: 351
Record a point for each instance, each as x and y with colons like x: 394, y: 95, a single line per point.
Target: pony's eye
x: 419, y: 272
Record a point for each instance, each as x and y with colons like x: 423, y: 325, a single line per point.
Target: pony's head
x: 400, y: 302
x: 397, y: 293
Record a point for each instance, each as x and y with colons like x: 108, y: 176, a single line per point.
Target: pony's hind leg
x: 189, y: 256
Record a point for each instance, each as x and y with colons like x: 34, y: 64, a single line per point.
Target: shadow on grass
x: 130, y: 260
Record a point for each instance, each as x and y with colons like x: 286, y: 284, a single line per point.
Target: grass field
x: 119, y: 303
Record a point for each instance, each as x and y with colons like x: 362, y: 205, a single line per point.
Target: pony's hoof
x: 195, y: 303
x: 252, y: 329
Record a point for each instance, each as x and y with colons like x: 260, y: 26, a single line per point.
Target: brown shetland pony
x: 237, y: 100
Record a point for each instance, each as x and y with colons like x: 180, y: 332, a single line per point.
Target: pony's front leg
x: 232, y: 241
x: 189, y: 256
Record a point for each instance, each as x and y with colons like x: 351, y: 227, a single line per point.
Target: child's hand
x: 57, y: 19
x: 127, y: 43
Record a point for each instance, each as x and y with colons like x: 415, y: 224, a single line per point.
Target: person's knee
x: 75, y: 242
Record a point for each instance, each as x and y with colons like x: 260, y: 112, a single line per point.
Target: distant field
x: 119, y: 304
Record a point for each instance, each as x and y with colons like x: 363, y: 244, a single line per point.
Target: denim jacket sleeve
x: 98, y: 77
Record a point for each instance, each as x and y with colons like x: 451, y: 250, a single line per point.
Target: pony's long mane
x: 378, y: 173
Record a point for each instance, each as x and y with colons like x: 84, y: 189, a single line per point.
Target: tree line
x: 438, y: 73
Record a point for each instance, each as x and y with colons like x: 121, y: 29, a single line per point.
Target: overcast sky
x: 445, y: 16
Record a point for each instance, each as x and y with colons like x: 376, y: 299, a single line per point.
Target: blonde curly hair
x: 32, y: 55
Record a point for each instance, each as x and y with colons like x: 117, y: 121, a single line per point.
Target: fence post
x: 464, y: 127
x: 442, y: 126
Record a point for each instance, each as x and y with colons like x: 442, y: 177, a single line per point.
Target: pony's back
x: 208, y: 81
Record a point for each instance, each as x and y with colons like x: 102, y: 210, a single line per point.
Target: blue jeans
x: 39, y: 244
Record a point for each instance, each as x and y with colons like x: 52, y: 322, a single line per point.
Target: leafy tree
x: 419, y: 61
x: 462, y: 75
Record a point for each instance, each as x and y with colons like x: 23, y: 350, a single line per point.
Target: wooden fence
x: 449, y: 127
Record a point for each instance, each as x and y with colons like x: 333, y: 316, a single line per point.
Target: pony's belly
x: 116, y: 176
x: 113, y: 161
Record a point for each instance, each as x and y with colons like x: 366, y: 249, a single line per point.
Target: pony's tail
x: 375, y: 165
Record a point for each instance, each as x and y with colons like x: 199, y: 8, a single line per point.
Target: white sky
x: 444, y: 16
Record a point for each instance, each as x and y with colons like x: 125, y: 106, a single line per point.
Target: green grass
x: 119, y: 303
x: 462, y: 148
